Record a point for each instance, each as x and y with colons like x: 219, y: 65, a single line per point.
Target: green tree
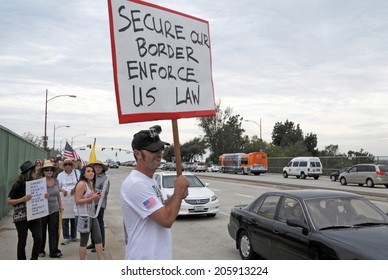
x: 223, y: 132
x: 287, y: 134
x: 36, y: 140
x: 169, y: 154
x: 190, y: 151
x: 311, y: 142
x: 193, y: 149
x: 330, y: 150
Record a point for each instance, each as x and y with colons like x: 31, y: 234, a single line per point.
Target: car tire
x: 369, y: 183
x: 332, y: 177
x: 316, y: 177
x: 285, y: 175
x: 343, y: 181
x: 245, y: 246
x: 302, y: 175
x: 386, y: 185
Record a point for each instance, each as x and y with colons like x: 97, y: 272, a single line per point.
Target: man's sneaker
x: 42, y: 255
x: 74, y: 239
x: 90, y: 246
x: 65, y: 241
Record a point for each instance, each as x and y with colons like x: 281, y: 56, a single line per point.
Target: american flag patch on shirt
x: 149, y: 203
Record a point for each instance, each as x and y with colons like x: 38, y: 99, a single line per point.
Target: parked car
x: 113, y: 164
x: 198, y: 167
x: 201, y: 200
x: 303, y: 167
x: 335, y: 174
x: 328, y: 225
x: 365, y: 174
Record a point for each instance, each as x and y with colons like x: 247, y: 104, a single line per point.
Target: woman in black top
x: 17, y: 198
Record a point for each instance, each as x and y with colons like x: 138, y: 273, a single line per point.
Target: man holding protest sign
x: 147, y: 221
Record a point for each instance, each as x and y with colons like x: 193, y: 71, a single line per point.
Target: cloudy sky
x: 322, y: 64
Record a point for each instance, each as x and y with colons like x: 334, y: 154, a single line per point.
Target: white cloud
x: 321, y: 64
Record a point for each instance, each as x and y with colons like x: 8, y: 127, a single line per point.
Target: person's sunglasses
x: 161, y: 149
x: 67, y: 164
x: 48, y: 169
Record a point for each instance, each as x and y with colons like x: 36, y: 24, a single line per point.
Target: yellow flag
x: 92, y: 156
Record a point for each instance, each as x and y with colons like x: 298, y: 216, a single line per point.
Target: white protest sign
x: 37, y: 206
x: 161, y: 62
x: 68, y: 204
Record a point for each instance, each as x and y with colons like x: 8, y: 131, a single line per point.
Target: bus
x: 255, y: 163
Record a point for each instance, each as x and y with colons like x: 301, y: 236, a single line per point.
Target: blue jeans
x: 69, y: 232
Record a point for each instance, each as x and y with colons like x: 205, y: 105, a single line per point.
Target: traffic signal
x: 102, y: 149
x: 120, y: 149
x: 112, y: 149
x: 89, y: 146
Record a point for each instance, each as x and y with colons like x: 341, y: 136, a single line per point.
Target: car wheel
x: 245, y: 246
x: 332, y: 177
x: 285, y: 175
x: 343, y: 181
x: 316, y: 177
x: 370, y: 183
x: 386, y: 185
x: 302, y: 175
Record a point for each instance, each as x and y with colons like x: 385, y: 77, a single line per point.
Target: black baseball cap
x: 143, y: 141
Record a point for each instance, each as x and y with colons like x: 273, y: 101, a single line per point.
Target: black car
x: 335, y: 174
x: 310, y: 224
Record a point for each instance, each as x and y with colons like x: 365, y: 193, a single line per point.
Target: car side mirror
x: 207, y: 184
x: 297, y: 223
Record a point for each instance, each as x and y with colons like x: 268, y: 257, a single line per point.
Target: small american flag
x: 149, y: 203
x: 71, y: 154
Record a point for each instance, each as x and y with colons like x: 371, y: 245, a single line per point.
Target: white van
x: 303, y: 167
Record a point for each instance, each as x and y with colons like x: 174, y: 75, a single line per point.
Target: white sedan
x: 201, y: 200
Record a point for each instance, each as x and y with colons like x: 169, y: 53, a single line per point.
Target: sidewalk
x: 8, y: 241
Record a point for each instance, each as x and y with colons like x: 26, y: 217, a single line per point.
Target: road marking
x: 243, y: 195
x: 226, y: 214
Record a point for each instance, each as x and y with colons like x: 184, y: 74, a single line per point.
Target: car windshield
x: 344, y: 212
x: 168, y: 181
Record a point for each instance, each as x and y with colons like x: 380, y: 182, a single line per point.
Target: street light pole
x: 258, y: 125
x: 74, y: 137
x: 55, y: 128
x: 60, y: 144
x: 45, y: 138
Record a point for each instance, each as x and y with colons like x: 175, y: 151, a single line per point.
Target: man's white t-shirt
x: 146, y: 240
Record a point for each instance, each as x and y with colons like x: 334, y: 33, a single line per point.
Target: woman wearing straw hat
x: 17, y: 198
x: 54, y: 206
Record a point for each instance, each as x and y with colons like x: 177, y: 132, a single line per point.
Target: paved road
x: 194, y: 238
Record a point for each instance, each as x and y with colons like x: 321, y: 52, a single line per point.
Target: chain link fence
x: 329, y: 164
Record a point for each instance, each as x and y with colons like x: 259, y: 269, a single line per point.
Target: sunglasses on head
x: 67, y: 164
x: 49, y: 169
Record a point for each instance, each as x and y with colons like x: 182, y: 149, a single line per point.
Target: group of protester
x: 147, y: 218
x: 85, y: 192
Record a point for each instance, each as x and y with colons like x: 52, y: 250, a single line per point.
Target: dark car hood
x: 371, y: 242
